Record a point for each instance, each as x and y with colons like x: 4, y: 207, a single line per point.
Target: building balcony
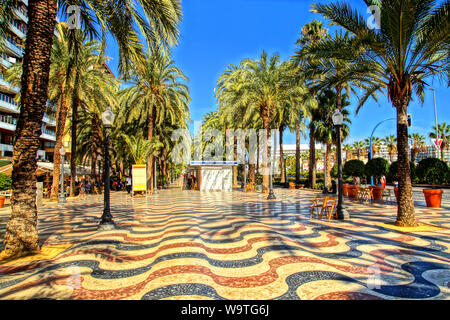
x: 8, y: 104
x: 6, y: 86
x: 8, y: 122
x: 17, y: 31
x: 5, y: 62
x: 49, y: 120
x: 49, y: 135
x: 13, y: 48
x: 20, y: 15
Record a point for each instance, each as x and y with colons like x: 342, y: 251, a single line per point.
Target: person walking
x: 129, y: 185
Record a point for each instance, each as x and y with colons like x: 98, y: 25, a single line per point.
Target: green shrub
x: 432, y: 171
x: 319, y: 186
x: 393, y: 176
x: 5, y: 182
x: 377, y: 167
x: 354, y: 168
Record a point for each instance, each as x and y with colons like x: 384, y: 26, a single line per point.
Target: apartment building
x: 14, y: 44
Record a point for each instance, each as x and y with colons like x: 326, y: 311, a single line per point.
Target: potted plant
x: 432, y: 171
x: 5, y: 184
x: 393, y: 175
x: 353, y: 168
x: 377, y: 168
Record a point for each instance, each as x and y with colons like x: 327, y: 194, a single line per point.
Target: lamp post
x: 338, y: 119
x: 325, y: 189
x: 62, y: 193
x: 271, y: 195
x: 107, y: 222
x: 435, y: 115
x: 155, y: 178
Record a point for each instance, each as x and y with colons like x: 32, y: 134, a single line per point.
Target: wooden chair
x: 318, y: 206
x: 329, y: 209
x: 365, y: 195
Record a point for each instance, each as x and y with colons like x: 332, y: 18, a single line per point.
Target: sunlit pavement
x: 230, y: 245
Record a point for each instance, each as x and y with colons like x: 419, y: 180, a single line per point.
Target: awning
x: 47, y: 168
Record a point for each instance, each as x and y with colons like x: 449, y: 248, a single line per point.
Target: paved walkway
x: 229, y: 245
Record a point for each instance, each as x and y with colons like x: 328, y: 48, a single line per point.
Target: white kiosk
x: 212, y: 175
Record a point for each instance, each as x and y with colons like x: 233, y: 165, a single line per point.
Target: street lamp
x: 338, y: 120
x: 62, y: 193
x: 271, y: 195
x: 107, y: 222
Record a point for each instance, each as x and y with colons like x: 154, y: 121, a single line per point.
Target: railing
x: 49, y: 132
x: 14, y: 45
x: 8, y: 99
x: 8, y: 119
x: 22, y: 27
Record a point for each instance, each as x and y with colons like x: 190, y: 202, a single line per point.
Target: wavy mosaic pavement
x: 231, y: 245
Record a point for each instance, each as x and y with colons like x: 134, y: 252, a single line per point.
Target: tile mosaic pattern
x: 230, y: 245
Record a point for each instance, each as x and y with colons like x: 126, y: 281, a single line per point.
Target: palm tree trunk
x: 297, y: 153
x: 264, y: 110
x: 312, y: 158
x: 282, y: 162
x: 329, y: 167
x: 21, y: 230
x: 95, y: 146
x: 73, y: 165
x: 150, y: 128
x: 405, y: 211
x: 61, y: 117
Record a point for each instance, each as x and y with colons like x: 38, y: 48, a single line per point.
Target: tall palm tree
x: 158, y: 91
x: 311, y: 33
x: 411, y: 45
x: 444, y: 134
x: 324, y: 127
x: 417, y: 145
x: 376, y: 145
x: 348, y: 149
x: 360, y: 149
x: 118, y: 17
x: 391, y: 144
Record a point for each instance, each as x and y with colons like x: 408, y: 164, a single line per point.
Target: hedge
x: 354, y: 168
x: 377, y: 167
x: 432, y: 171
x: 5, y: 182
x: 393, y: 176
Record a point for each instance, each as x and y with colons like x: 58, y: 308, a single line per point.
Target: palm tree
x: 140, y: 148
x: 410, y: 46
x: 324, y: 127
x: 158, y: 91
x: 360, y: 149
x: 391, y: 143
x: 311, y: 33
x: 444, y: 134
x: 348, y: 149
x: 376, y: 145
x: 119, y: 17
x: 417, y: 145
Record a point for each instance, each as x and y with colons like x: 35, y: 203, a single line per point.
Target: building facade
x: 14, y: 45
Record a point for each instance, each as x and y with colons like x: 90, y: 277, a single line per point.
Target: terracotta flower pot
x: 377, y: 192
x: 2, y: 201
x: 353, y: 192
x: 345, y: 189
x: 433, y: 197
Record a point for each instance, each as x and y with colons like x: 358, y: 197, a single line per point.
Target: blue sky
x: 215, y: 33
